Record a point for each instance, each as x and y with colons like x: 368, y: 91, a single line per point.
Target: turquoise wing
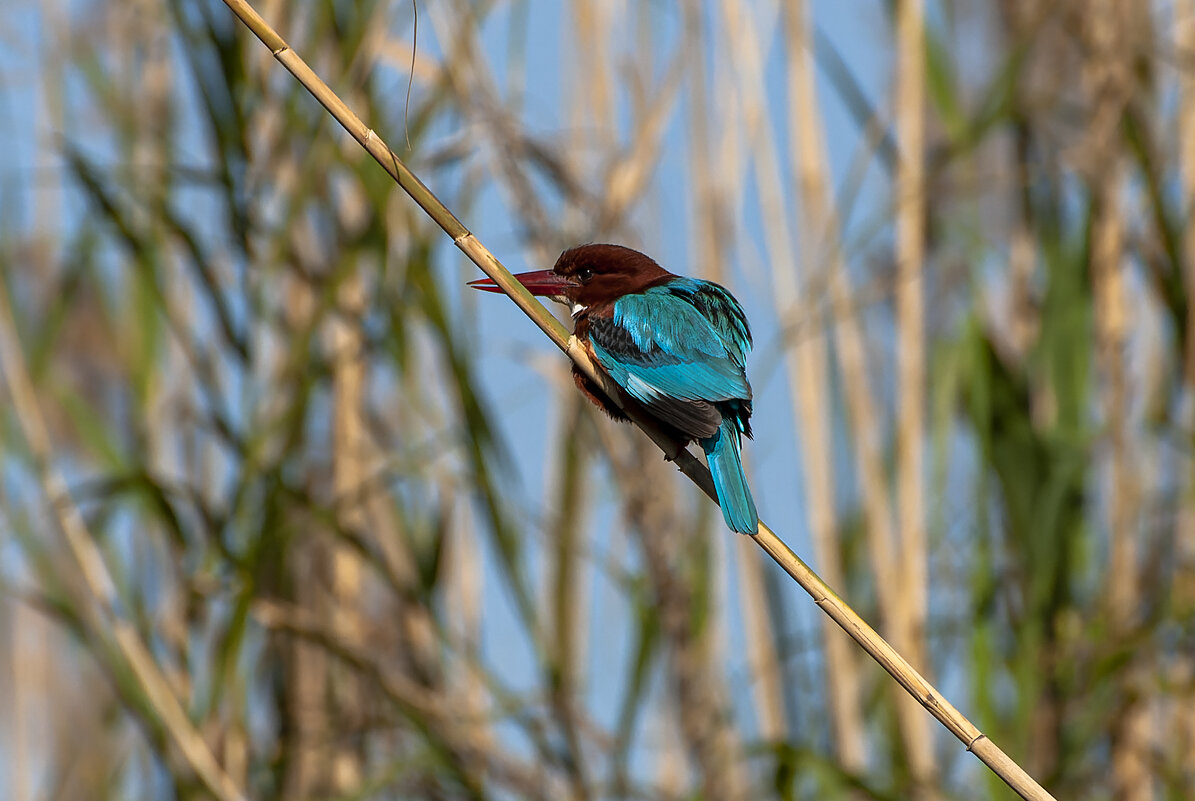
x: 678, y: 348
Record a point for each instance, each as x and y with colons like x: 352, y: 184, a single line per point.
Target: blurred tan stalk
x: 1112, y: 29
x: 809, y: 374
x: 1183, y: 712
x: 913, y: 611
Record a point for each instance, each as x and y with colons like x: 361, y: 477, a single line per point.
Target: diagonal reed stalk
x: 838, y: 610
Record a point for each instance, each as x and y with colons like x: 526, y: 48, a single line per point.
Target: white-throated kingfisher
x: 675, y: 346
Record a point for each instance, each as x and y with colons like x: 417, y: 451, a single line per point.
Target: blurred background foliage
x: 363, y: 530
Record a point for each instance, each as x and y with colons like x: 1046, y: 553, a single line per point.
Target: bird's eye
x: 584, y: 274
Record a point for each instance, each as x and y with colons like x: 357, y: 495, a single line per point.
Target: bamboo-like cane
x: 842, y: 614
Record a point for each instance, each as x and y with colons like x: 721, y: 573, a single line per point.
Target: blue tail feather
x: 734, y: 496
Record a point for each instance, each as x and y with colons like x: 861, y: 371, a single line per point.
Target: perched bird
x: 675, y: 346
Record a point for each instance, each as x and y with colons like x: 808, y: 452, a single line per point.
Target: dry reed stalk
x: 865, y: 422
x: 1021, y: 313
x: 710, y: 245
x: 626, y: 168
x: 1184, y: 41
x: 745, y: 65
x: 1184, y: 32
x: 22, y: 671
x: 653, y: 113
x: 51, y: 110
x: 1111, y: 324
x: 627, y: 177
x: 235, y: 750
x: 465, y: 588
x: 767, y: 688
x: 899, y: 668
x: 567, y: 584
x: 1130, y: 759
x: 1109, y: 83
x: 818, y: 234
x: 591, y: 26
x: 717, y: 643
x: 868, y: 447
x: 574, y: 106
x: 913, y: 612
x: 670, y: 760
x: 1184, y: 580
x: 745, y: 58
x: 1109, y: 78
x: 308, y: 772
x: 910, y: 300
x: 350, y: 472
x: 97, y: 581
x: 309, y: 718
x: 730, y: 159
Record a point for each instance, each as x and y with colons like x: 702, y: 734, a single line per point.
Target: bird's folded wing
x: 669, y: 356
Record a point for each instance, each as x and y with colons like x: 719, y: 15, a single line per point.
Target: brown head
x: 589, y: 275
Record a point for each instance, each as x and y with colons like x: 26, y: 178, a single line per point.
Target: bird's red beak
x: 539, y: 282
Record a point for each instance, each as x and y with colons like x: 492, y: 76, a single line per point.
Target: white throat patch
x: 575, y: 308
